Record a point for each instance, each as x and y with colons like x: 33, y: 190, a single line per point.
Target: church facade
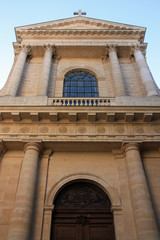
x: 80, y: 134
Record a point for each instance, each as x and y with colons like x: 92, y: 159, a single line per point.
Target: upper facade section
x: 80, y: 57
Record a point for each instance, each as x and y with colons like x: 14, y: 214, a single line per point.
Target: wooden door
x: 82, y: 212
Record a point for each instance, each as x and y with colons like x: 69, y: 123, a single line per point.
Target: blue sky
x: 145, y: 13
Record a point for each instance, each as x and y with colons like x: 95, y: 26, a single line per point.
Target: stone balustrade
x: 81, y: 102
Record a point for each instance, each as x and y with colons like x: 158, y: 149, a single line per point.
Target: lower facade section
x: 55, y: 194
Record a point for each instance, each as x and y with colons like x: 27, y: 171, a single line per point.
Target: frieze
x: 74, y: 130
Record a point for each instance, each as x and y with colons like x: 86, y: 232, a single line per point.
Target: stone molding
x: 60, y: 112
x: 105, y: 185
x: 80, y: 32
x: 131, y: 146
x: 34, y: 146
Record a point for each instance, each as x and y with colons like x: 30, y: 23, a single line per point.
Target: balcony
x: 82, y: 102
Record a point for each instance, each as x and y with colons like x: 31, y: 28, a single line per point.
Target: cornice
x: 21, y: 35
x: 94, y: 114
x: 80, y: 31
x: 87, y: 22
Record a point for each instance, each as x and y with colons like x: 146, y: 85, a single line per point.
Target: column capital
x: 50, y: 48
x: 33, y: 145
x: 131, y: 146
x: 111, y: 48
x: 25, y: 48
x: 138, y: 47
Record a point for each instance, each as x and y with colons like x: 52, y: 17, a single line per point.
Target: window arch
x: 80, y: 84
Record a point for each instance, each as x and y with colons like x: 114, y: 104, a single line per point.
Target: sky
x: 14, y: 13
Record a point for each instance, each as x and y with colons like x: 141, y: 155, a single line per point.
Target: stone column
x: 18, y: 71
x: 142, y: 206
x: 43, y: 83
x: 145, y: 73
x: 22, y: 213
x: 116, y: 71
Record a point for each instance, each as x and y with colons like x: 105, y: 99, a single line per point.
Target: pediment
x: 79, y: 23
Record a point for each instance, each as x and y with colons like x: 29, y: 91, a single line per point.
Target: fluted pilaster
x: 142, y: 207
x: 22, y: 212
x: 18, y: 71
x: 43, y: 83
x: 145, y: 73
x: 116, y: 71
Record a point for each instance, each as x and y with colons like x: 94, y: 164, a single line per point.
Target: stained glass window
x: 80, y: 84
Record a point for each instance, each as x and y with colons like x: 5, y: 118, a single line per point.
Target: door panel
x: 82, y: 225
x: 65, y: 232
x: 82, y: 212
x: 98, y: 232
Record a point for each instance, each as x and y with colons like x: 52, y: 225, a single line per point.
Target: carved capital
x: 50, y: 48
x: 111, y: 48
x: 25, y: 48
x: 138, y: 47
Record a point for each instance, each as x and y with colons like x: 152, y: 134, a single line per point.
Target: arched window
x: 80, y: 84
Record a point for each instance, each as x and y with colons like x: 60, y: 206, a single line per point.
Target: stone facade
x: 48, y: 140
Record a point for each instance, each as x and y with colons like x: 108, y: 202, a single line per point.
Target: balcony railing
x: 81, y: 102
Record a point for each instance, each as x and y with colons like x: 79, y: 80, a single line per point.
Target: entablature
x: 79, y: 49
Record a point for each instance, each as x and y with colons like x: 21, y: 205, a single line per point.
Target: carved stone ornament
x: 138, y: 47
x: 25, y: 48
x: 63, y: 130
x: 156, y: 129
x: 24, y: 129
x: 44, y: 129
x: 82, y: 130
x: 5, y: 129
x: 111, y: 48
x: 82, y: 195
x: 120, y: 130
x: 101, y: 130
x: 139, y: 130
x: 50, y: 47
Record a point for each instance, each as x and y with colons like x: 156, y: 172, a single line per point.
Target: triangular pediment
x: 79, y: 23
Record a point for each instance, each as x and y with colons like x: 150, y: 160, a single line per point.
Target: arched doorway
x: 82, y: 212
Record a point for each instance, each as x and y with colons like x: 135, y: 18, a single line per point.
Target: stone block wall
x: 10, y: 166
